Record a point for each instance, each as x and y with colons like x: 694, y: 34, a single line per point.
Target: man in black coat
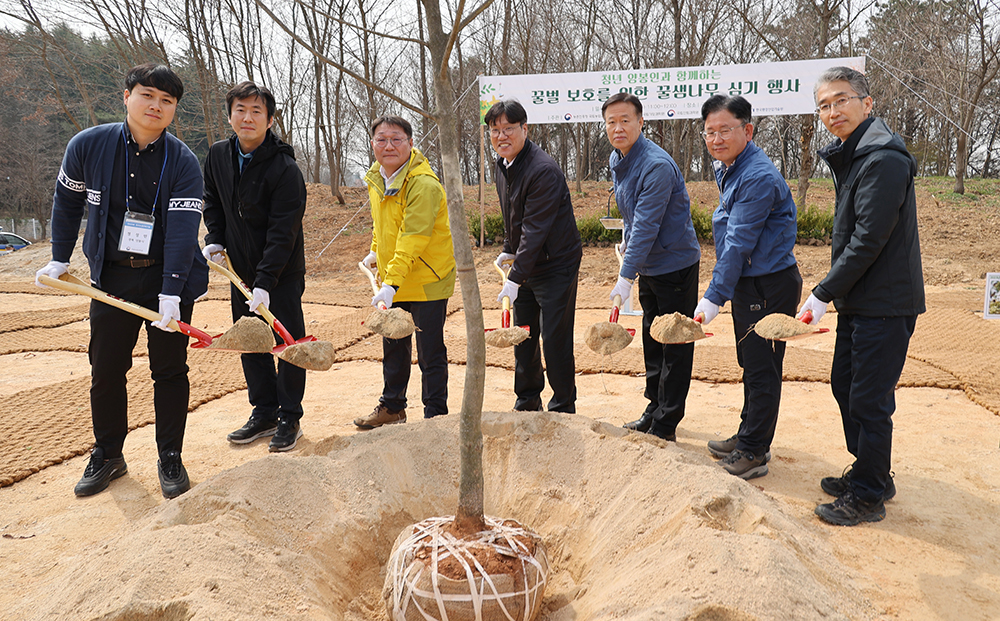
x: 543, y: 243
x: 254, y: 201
x: 876, y: 284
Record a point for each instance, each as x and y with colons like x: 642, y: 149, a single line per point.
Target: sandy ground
x: 636, y: 528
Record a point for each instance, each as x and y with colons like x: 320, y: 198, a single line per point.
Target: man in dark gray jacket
x: 876, y: 284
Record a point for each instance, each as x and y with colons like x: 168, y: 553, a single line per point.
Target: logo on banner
x: 670, y: 113
x: 567, y: 117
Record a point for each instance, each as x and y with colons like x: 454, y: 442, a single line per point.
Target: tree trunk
x: 961, y: 161
x: 805, y: 171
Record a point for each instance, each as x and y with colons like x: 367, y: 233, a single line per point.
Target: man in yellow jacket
x: 411, y: 249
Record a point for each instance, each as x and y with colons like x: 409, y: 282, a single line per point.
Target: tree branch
x: 360, y: 28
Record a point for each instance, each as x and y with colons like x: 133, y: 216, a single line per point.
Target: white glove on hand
x: 370, y: 261
x: 623, y: 288
x: 817, y: 306
x: 504, y: 256
x: 509, y: 291
x: 52, y: 269
x: 385, y: 295
x: 170, y: 308
x: 260, y: 298
x: 213, y: 252
x: 709, y: 310
x: 620, y: 247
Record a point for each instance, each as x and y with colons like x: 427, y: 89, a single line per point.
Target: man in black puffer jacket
x: 254, y: 201
x: 875, y: 282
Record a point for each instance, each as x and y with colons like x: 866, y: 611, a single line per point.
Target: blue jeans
x: 867, y: 361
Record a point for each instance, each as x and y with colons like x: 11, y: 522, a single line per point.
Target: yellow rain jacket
x: 411, y: 235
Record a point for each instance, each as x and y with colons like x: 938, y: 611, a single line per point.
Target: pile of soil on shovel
x: 506, y: 337
x: 675, y: 328
x: 780, y: 326
x: 249, y: 334
x: 392, y: 323
x: 607, y: 338
x: 314, y: 355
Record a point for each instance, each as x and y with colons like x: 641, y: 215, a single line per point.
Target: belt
x: 133, y: 262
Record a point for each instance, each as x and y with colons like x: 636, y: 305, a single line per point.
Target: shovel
x: 505, y: 335
x: 307, y: 352
x: 72, y: 284
x: 392, y: 323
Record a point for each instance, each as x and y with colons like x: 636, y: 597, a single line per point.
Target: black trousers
x: 432, y: 358
x: 867, y: 362
x: 113, y: 335
x: 762, y: 360
x: 668, y: 367
x: 547, y: 305
x: 275, y: 393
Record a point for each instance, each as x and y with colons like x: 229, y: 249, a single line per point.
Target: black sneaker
x: 641, y: 424
x: 286, y: 435
x: 256, y: 427
x: 173, y: 476
x: 744, y: 464
x: 722, y: 448
x: 838, y: 486
x: 849, y: 510
x: 99, y: 473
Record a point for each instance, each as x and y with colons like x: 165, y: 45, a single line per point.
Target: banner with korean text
x: 674, y: 93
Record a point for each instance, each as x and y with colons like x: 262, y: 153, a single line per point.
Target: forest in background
x: 335, y: 65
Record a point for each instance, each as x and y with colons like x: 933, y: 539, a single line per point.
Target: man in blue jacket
x: 876, y: 283
x: 754, y: 227
x: 143, y: 189
x: 254, y: 201
x: 660, y: 247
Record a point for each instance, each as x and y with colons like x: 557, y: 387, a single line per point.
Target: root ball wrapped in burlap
x: 607, y: 338
x: 392, y: 323
x: 496, y: 575
x: 312, y: 355
x: 506, y: 337
x: 780, y: 326
x: 249, y: 334
x: 675, y: 328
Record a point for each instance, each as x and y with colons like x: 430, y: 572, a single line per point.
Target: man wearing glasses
x: 875, y: 282
x: 543, y: 243
x: 754, y: 226
x: 412, y: 253
x: 659, y: 246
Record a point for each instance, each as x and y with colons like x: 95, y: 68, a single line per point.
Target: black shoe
x: 99, y: 473
x: 838, y: 486
x: 173, y: 476
x: 287, y: 434
x: 849, y: 510
x: 642, y: 424
x: 722, y: 448
x: 663, y: 434
x: 256, y: 427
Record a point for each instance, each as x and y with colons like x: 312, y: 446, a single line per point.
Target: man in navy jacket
x: 255, y: 198
x: 143, y: 189
x: 754, y: 227
x: 660, y: 247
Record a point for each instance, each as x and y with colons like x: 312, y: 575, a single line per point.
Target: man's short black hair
x: 249, y: 90
x: 510, y: 109
x: 153, y: 75
x: 734, y: 104
x: 396, y: 121
x: 627, y: 98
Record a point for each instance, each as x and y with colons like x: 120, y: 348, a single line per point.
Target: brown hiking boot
x: 381, y: 416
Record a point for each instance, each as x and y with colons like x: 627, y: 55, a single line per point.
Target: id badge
x: 137, y: 233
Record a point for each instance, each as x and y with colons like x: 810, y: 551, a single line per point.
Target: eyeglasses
x: 838, y: 104
x: 381, y: 142
x: 506, y: 131
x: 725, y: 133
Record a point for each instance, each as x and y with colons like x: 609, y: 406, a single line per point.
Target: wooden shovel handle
x: 264, y: 312
x: 374, y: 280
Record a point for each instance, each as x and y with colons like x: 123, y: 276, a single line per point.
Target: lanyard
x: 159, y: 182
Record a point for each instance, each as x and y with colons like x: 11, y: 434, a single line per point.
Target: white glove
x: 260, y: 298
x: 620, y: 247
x: 52, y: 269
x: 623, y: 288
x: 385, y: 295
x: 504, y: 256
x: 709, y: 310
x: 817, y: 306
x: 213, y: 252
x: 370, y: 261
x: 170, y: 308
x: 509, y: 291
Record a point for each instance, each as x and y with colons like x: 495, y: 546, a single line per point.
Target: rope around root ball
x: 417, y: 590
